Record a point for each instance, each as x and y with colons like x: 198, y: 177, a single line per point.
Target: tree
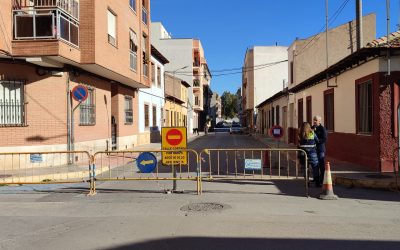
x: 229, y: 107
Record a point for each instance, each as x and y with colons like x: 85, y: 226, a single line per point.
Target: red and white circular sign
x: 174, y: 137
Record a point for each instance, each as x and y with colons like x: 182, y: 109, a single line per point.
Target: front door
x: 113, y: 133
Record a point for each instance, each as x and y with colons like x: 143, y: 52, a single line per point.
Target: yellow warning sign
x: 174, y: 138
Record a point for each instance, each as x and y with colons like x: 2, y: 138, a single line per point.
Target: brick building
x: 51, y: 46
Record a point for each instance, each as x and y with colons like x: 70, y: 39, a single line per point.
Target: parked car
x: 236, y: 128
x: 222, y: 127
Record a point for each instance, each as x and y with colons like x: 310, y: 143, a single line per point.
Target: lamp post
x: 174, y: 184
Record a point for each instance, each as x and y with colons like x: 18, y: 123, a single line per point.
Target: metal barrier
x: 122, y: 166
x: 45, y: 167
x: 231, y: 164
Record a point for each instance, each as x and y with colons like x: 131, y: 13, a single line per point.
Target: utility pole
x: 388, y: 35
x: 327, y: 42
x: 359, y: 24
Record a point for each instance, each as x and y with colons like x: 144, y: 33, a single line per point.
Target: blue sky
x: 227, y: 27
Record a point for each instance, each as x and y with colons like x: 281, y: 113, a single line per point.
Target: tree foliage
x: 229, y: 105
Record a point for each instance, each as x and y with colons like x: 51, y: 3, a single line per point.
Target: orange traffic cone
x: 327, y: 193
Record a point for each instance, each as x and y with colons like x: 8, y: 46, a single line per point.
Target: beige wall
x: 344, y: 97
x: 311, y: 60
x: 248, y: 77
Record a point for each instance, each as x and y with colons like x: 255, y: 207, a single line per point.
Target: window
x: 364, y: 107
x: 273, y: 116
x: 144, y: 12
x: 145, y: 56
x: 146, y: 116
x: 12, y: 108
x: 277, y: 115
x: 154, y: 116
x: 112, y: 28
x: 309, y: 110
x: 329, y: 110
x: 291, y: 72
x: 88, y: 109
x: 48, y: 24
x: 300, y: 114
x: 128, y: 110
x: 159, y: 77
x: 153, y: 74
x: 133, y: 49
x: 167, y: 118
x: 132, y: 4
x: 196, y: 100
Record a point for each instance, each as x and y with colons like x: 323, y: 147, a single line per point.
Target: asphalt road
x: 235, y: 214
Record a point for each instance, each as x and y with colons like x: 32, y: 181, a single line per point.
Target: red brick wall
x: 46, y: 112
x: 101, y: 130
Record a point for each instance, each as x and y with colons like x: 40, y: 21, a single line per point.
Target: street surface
x: 268, y: 214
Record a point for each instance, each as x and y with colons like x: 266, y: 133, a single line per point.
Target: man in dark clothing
x: 322, y: 135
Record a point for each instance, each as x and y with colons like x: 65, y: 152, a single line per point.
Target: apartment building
x: 187, y: 61
x: 51, y: 46
x: 151, y: 101
x: 264, y: 73
x: 176, y: 102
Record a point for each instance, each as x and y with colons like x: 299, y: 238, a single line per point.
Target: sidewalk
x: 346, y: 173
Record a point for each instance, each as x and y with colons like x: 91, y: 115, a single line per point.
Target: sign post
x: 174, y: 138
x: 79, y: 93
x: 277, y: 132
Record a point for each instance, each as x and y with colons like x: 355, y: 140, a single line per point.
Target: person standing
x: 322, y: 135
x: 308, y: 142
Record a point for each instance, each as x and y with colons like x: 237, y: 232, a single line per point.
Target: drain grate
x: 203, y: 207
x: 379, y: 176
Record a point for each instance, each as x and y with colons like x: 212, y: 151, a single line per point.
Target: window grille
x: 88, y: 109
x: 12, y: 104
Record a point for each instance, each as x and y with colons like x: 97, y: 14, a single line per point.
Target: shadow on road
x: 209, y: 243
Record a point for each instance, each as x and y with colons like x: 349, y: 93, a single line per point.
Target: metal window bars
x: 12, y: 105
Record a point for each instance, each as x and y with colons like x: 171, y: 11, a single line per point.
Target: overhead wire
x: 245, y: 69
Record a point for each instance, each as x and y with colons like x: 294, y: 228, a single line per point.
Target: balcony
x: 46, y: 20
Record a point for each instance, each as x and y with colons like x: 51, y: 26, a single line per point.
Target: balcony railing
x: 46, y: 19
x: 70, y: 7
x: 144, y: 15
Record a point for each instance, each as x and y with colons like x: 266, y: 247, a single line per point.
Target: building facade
x: 264, y: 73
x: 176, y: 104
x: 151, y: 101
x: 52, y: 46
x: 358, y: 103
x: 188, y: 62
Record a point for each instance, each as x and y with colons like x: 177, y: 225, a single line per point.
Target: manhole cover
x: 203, y: 207
x: 379, y: 176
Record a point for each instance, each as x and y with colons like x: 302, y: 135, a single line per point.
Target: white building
x: 265, y: 71
x: 151, y: 101
x: 186, y: 61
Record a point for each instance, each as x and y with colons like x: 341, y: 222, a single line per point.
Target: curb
x: 364, y: 183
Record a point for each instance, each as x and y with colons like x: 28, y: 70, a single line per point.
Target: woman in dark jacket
x: 308, y: 141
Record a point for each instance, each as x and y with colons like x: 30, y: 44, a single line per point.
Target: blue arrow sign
x: 146, y: 162
x: 79, y: 93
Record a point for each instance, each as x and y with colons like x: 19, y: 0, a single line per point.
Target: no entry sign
x: 79, y: 93
x: 277, y: 132
x: 174, y: 138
